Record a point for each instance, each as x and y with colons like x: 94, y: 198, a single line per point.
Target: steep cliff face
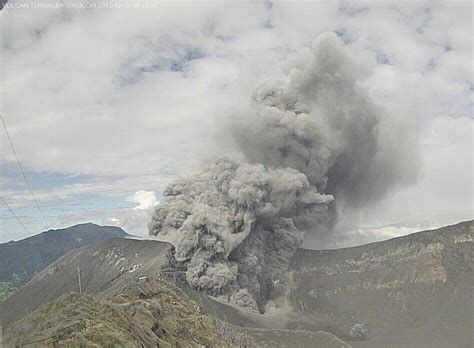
x: 406, y: 290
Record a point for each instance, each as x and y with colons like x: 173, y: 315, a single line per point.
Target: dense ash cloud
x: 321, y: 122
x: 314, y: 142
x: 236, y: 223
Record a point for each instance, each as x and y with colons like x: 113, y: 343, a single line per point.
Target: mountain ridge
x: 22, y: 259
x: 394, y: 292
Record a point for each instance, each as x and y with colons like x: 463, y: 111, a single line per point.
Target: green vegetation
x: 6, y: 290
x: 155, y: 313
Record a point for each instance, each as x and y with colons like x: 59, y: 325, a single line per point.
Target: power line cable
x: 23, y: 172
x: 16, y: 216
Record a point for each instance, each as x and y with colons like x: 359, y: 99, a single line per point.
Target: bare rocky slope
x: 414, y: 290
x: 409, y: 291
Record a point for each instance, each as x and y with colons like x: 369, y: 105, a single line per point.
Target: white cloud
x: 134, y: 220
x: 102, y: 186
x: 139, y: 93
x: 145, y: 200
x: 96, y: 106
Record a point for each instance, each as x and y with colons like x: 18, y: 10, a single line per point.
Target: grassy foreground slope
x: 156, y: 313
x: 151, y: 314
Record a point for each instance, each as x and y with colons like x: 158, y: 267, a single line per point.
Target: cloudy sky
x: 106, y: 105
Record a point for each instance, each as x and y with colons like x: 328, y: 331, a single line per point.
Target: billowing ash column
x: 235, y: 226
x: 314, y: 142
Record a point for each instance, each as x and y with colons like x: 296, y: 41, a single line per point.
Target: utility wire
x: 16, y: 216
x: 23, y: 172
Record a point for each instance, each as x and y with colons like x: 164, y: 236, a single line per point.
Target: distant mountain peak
x: 22, y: 259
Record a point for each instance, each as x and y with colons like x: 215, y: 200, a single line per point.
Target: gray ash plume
x: 315, y: 143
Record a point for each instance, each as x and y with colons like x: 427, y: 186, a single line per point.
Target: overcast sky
x: 106, y: 106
